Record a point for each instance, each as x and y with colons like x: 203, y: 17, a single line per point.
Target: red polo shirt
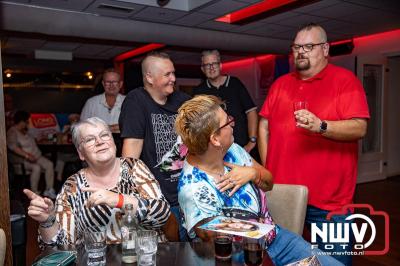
x: 296, y: 156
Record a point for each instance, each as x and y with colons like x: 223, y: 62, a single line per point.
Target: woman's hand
x: 101, y: 196
x: 236, y: 178
x: 39, y: 208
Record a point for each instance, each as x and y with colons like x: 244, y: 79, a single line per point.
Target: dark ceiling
x: 99, y: 30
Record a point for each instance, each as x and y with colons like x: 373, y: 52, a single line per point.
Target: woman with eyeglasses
x: 95, y: 196
x: 220, y: 178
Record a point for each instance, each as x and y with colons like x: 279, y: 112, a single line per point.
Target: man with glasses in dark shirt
x: 315, y: 146
x: 234, y: 93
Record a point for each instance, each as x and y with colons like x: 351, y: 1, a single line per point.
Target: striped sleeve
x: 153, y: 209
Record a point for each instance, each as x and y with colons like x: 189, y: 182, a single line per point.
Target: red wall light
x: 138, y: 51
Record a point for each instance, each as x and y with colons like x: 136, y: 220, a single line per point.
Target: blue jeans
x: 183, y: 236
x: 318, y: 216
x: 289, y: 247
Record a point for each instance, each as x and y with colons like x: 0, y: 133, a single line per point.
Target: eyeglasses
x: 211, y: 65
x: 91, y: 140
x: 111, y: 82
x: 306, y: 47
x: 231, y: 122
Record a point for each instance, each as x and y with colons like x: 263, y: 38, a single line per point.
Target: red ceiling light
x: 262, y: 10
x: 138, y: 51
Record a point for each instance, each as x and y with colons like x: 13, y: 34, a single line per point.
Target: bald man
x: 147, y: 123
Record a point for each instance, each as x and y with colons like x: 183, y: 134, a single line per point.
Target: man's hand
x: 101, y: 196
x: 39, y: 208
x: 249, y: 146
x: 307, y: 120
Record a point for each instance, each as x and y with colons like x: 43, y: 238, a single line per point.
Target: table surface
x: 174, y: 253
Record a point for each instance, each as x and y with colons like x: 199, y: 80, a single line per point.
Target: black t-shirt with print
x: 142, y: 118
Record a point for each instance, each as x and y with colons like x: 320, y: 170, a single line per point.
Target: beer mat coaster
x: 309, y: 261
x: 58, y: 258
x: 238, y: 227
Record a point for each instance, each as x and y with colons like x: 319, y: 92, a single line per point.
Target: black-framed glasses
x: 211, y: 65
x: 111, y: 82
x: 90, y: 141
x: 306, y: 47
x: 231, y: 122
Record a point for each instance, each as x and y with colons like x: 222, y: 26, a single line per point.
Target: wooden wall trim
x: 4, y: 199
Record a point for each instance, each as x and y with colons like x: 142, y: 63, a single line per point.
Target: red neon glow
x: 138, y: 51
x: 339, y: 42
x: 247, y: 60
x: 381, y: 36
x: 386, y: 34
x: 253, y: 10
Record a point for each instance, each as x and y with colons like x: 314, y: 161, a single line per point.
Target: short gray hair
x: 310, y: 26
x: 210, y: 52
x: 76, y: 128
x: 111, y: 70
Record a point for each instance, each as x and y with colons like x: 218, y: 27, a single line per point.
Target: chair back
x: 2, y: 246
x: 17, y: 162
x: 287, y: 205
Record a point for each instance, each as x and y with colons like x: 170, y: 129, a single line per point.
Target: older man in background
x: 107, y: 105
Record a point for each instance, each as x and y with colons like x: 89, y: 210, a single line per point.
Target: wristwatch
x: 253, y: 139
x: 323, y: 127
x: 49, y: 222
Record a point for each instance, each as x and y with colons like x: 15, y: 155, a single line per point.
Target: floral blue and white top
x: 200, y: 199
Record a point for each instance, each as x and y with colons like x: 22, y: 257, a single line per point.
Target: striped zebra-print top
x: 75, y: 217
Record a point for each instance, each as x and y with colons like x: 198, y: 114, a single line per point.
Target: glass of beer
x: 223, y: 246
x: 253, y: 251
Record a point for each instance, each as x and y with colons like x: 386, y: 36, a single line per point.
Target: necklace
x: 210, y: 172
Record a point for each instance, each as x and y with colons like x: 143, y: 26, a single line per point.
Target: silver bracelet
x: 49, y: 222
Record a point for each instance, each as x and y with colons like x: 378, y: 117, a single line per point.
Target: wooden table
x: 174, y: 253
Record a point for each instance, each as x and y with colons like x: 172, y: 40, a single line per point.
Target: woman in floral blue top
x: 220, y: 178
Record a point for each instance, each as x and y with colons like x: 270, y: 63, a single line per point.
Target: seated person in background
x: 220, y: 178
x: 21, y: 144
x: 95, y: 196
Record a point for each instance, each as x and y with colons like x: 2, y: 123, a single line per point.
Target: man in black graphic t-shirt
x: 147, y: 122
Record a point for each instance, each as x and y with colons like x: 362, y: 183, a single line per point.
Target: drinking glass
x: 146, y: 247
x: 253, y: 251
x: 299, y: 105
x: 95, y: 246
x: 223, y: 246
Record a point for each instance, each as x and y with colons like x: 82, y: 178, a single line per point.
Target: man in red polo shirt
x: 317, y: 146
